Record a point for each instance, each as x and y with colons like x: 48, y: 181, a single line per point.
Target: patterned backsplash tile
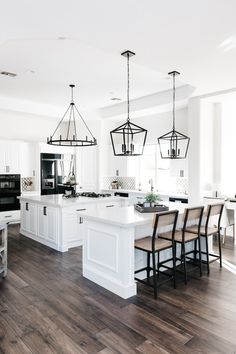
x: 182, y: 185
x: 124, y: 182
x: 27, y: 184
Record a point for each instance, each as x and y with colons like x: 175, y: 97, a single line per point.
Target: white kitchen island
x: 109, y: 257
x: 55, y: 221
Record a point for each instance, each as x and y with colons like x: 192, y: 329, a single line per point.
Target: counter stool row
x: 192, y: 231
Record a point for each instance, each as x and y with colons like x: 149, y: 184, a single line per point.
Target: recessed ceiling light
x: 115, y: 99
x: 7, y: 73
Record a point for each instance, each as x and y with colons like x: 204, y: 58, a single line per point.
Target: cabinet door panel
x: 86, y: 168
x: 12, y: 157
x: 42, y: 223
x: 52, y: 224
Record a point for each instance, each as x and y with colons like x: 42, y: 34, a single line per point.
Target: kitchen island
x: 55, y: 221
x: 109, y: 257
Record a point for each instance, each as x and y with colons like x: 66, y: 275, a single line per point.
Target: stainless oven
x: 9, y: 191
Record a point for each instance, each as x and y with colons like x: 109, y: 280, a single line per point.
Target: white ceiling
x: 184, y: 35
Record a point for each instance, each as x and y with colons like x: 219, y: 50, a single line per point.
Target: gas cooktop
x: 87, y: 194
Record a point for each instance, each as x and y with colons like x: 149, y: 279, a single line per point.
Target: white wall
x: 156, y: 125
x: 161, y: 123
x: 205, y: 148
x: 24, y: 126
x: 228, y: 170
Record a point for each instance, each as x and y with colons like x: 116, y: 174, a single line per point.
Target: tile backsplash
x: 182, y: 185
x: 124, y: 182
x: 27, y: 184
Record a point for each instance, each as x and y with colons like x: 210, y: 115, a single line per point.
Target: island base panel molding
x: 58, y: 247
x: 108, y: 257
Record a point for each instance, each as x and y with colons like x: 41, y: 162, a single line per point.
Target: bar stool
x: 213, y: 210
x: 182, y: 237
x: 153, y: 245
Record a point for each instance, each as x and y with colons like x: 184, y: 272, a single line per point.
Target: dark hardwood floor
x: 46, y: 306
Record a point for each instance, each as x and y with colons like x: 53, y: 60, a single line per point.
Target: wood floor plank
x: 150, y: 348
x: 114, y: 342
x: 46, y: 306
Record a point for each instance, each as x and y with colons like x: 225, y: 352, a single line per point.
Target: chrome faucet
x: 151, y: 183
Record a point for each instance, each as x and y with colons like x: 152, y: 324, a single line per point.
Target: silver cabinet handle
x: 45, y: 210
x: 80, y: 209
x: 7, y: 169
x: 80, y: 220
x: 27, y: 206
x: 8, y: 216
x: 110, y: 206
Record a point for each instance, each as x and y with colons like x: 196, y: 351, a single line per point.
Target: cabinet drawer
x: 10, y: 216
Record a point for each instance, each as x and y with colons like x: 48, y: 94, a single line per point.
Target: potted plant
x: 151, y: 199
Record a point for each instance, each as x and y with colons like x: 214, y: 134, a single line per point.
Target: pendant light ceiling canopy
x: 173, y: 145
x: 128, y: 139
x: 68, y: 131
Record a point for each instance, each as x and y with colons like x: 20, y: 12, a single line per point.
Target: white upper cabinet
x: 28, y: 159
x: 9, y: 157
x: 87, y: 168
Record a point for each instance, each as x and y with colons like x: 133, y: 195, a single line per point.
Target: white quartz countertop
x: 125, y: 216
x: 57, y: 200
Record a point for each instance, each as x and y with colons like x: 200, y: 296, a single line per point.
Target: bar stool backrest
x: 165, y: 219
x: 214, y: 210
x: 192, y: 215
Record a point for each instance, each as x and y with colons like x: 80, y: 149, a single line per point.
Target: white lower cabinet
x: 29, y: 217
x: 48, y: 223
x: 73, y: 229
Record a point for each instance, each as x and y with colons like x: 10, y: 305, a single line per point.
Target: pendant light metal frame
x: 173, y: 136
x: 71, y: 111
x: 128, y: 130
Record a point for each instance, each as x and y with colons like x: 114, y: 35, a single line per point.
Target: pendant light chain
x: 173, y: 145
x: 72, y: 93
x: 128, y: 139
x: 128, y: 104
x: 174, y: 100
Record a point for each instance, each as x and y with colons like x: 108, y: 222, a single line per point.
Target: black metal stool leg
x: 195, y: 250
x: 154, y: 274
x: 220, y: 252
x: 185, y: 265
x: 200, y: 255
x: 148, y: 265
x: 207, y: 256
x: 174, y: 263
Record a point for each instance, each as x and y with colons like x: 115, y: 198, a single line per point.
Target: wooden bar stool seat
x: 154, y: 245
x: 210, y: 230
x: 178, y: 236
x: 146, y: 244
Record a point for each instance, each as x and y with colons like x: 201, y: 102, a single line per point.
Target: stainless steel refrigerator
x: 57, y: 170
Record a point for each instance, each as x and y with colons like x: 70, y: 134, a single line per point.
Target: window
x: 151, y: 166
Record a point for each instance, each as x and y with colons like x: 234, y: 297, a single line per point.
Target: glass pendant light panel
x: 173, y: 145
x: 128, y: 140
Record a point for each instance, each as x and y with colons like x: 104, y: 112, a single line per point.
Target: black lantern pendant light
x: 173, y: 145
x: 68, y: 133
x: 128, y: 139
